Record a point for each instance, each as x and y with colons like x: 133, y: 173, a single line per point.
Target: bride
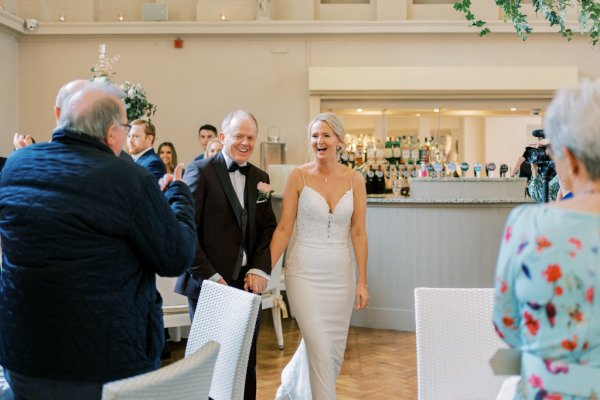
x: 327, y: 202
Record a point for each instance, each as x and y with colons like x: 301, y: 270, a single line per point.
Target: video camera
x: 537, y: 155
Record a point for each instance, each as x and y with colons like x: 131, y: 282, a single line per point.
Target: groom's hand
x: 255, y: 283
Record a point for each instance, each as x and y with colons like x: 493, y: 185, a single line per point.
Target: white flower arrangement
x: 136, y: 101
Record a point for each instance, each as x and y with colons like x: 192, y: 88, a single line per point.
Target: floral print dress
x: 547, y: 274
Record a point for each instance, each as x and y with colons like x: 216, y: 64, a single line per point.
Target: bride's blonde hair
x: 331, y: 120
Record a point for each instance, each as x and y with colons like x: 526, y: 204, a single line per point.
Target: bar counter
x: 427, y: 243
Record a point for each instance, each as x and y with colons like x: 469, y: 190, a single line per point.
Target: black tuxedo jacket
x: 152, y: 163
x: 219, y: 224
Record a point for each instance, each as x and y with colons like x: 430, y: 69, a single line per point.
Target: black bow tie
x: 243, y: 170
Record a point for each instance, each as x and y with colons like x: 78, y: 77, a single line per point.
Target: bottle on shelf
x: 360, y: 152
x: 414, y: 150
x: 344, y: 156
x: 405, y: 151
x: 397, y: 151
x: 388, y: 152
x: 424, y: 152
x: 351, y: 158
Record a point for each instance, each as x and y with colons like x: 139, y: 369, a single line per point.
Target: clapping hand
x: 177, y: 175
x: 20, y: 141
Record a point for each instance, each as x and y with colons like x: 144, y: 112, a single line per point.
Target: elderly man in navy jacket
x: 83, y: 235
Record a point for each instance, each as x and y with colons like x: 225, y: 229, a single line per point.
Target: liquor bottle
x: 360, y: 153
x: 414, y: 150
x: 371, y: 154
x: 424, y: 152
x: 396, y: 151
x: 388, y: 152
x: 379, y: 152
x: 379, y: 181
x: 405, y: 151
x: 344, y: 156
x: 351, y: 159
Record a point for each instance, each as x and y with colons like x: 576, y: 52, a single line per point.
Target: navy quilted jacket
x: 83, y: 235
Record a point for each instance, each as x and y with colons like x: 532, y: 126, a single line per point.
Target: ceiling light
x: 62, y: 17
x: 436, y: 110
x: 418, y: 115
x: 513, y: 109
x: 121, y: 17
x: 359, y: 109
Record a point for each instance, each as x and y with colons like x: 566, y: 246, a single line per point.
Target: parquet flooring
x: 378, y: 365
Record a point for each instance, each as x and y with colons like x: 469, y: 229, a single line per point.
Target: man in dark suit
x: 140, y: 140
x: 234, y: 221
x: 206, y: 133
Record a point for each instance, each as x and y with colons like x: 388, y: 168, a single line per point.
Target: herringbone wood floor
x: 379, y: 364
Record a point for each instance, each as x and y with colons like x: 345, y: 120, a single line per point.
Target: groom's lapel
x: 223, y: 174
x: 252, y: 192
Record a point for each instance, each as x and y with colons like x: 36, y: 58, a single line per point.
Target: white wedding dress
x: 320, y: 283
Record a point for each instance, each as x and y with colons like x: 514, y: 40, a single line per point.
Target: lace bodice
x: 316, y: 225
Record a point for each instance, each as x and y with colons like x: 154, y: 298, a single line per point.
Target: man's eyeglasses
x: 128, y: 126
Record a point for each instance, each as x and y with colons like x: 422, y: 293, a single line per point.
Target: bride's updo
x: 331, y: 120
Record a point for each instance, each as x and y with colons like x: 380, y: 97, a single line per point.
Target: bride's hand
x: 362, y: 297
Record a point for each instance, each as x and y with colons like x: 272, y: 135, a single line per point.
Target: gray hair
x: 334, y: 123
x: 69, y: 89
x: 93, y: 110
x: 572, y: 121
x: 237, y: 114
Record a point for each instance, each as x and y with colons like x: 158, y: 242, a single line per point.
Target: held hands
x: 177, y: 175
x: 255, y: 283
x: 362, y: 296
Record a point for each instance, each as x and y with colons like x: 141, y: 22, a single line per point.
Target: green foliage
x: 136, y: 101
x: 552, y: 10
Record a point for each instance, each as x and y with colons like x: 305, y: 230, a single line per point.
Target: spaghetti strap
x: 302, y: 173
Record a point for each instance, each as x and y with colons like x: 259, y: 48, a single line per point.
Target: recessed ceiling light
x: 418, y: 115
x: 513, y: 109
x: 359, y: 109
x: 436, y: 110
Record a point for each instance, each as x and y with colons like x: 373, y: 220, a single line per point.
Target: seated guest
x: 83, y: 237
x: 213, y: 147
x: 548, y: 272
x: 205, y: 134
x: 168, y: 155
x: 140, y: 140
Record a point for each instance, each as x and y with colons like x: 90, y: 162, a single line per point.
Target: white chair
x: 187, y: 379
x: 175, y: 307
x: 271, y: 298
x: 455, y: 340
x: 228, y: 316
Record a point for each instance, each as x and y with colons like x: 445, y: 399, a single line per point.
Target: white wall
x: 9, y: 93
x: 195, y: 85
x: 506, y: 138
x: 267, y: 74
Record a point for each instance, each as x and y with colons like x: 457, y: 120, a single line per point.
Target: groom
x: 234, y: 223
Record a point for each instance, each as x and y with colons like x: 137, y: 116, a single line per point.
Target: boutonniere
x: 264, y: 192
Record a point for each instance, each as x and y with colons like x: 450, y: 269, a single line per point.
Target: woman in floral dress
x: 548, y: 271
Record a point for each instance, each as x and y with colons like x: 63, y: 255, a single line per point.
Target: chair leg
x: 277, y: 324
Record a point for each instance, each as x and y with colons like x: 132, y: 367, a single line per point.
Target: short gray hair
x: 237, y: 114
x: 69, y: 89
x: 572, y: 121
x: 93, y: 110
x: 333, y: 122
